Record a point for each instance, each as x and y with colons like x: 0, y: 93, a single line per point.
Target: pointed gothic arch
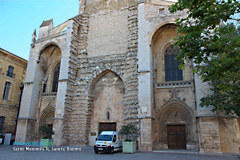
x: 46, y: 116
x: 107, y: 92
x: 53, y: 45
x: 97, y: 77
x: 174, y: 114
x: 49, y: 66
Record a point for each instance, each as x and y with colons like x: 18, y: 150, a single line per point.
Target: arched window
x: 172, y: 72
x: 10, y: 71
x: 55, y: 78
x: 6, y: 90
x: 2, y: 121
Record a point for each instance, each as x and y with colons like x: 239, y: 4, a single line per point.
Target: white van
x: 108, y: 141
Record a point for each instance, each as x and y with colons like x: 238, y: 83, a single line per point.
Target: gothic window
x: 10, y: 71
x: 2, y: 120
x: 55, y: 78
x: 172, y: 72
x: 6, y: 90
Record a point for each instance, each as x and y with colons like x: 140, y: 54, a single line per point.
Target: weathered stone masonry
x: 112, y: 57
x: 82, y: 72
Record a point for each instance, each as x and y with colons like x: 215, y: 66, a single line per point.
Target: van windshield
x: 105, y: 138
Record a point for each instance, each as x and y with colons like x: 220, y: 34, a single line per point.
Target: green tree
x: 213, y: 44
x: 129, y: 130
x: 47, y: 131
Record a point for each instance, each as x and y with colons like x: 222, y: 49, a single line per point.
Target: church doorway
x: 108, y: 126
x: 176, y: 136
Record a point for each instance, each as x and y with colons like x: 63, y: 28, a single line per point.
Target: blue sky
x: 19, y: 18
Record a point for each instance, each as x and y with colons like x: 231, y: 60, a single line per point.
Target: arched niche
x: 48, y: 59
x: 107, y: 91
x: 161, y: 40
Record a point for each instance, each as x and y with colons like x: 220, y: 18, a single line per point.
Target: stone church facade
x: 113, y: 64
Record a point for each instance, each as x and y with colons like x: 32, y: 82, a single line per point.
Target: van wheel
x: 111, y: 151
x: 96, y: 152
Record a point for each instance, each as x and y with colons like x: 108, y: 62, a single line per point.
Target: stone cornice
x: 27, y: 118
x: 27, y: 82
x: 146, y: 117
x: 59, y: 118
x: 220, y: 116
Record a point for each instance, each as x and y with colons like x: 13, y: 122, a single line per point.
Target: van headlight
x: 109, y: 145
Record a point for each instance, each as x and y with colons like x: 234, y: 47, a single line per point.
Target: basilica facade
x: 115, y: 63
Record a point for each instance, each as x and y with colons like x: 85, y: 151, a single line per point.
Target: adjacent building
x: 112, y: 64
x: 12, y: 74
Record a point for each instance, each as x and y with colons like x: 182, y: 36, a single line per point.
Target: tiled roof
x: 46, y: 23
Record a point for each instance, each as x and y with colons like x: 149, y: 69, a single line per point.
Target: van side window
x: 114, y: 138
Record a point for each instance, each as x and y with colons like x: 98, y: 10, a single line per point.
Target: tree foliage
x: 213, y: 45
x: 129, y: 130
x: 47, y: 131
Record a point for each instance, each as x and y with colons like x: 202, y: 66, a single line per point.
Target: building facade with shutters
x: 12, y: 74
x: 114, y: 63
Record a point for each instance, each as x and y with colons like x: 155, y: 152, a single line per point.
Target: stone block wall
x: 118, y: 37
x: 75, y: 114
x: 10, y: 114
x: 219, y: 134
x: 84, y: 68
x: 229, y: 135
x: 209, y: 135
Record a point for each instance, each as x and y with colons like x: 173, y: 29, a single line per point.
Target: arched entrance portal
x: 107, y: 92
x: 175, y: 126
x: 47, y: 117
x: 174, y: 102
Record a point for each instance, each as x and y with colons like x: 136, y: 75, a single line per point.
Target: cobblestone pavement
x: 87, y: 153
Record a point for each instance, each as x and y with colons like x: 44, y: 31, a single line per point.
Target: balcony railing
x: 49, y: 94
x: 175, y: 84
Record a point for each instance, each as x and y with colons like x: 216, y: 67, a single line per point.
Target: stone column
x: 58, y: 132
x: 145, y: 139
x: 145, y: 84
x: 59, y: 113
x: 26, y: 120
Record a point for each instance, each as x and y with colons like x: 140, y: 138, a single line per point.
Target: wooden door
x: 176, y: 137
x: 107, y: 127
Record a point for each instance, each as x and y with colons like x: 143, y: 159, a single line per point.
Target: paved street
x: 87, y: 153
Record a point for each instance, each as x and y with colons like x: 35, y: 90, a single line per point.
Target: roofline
x: 13, y: 54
